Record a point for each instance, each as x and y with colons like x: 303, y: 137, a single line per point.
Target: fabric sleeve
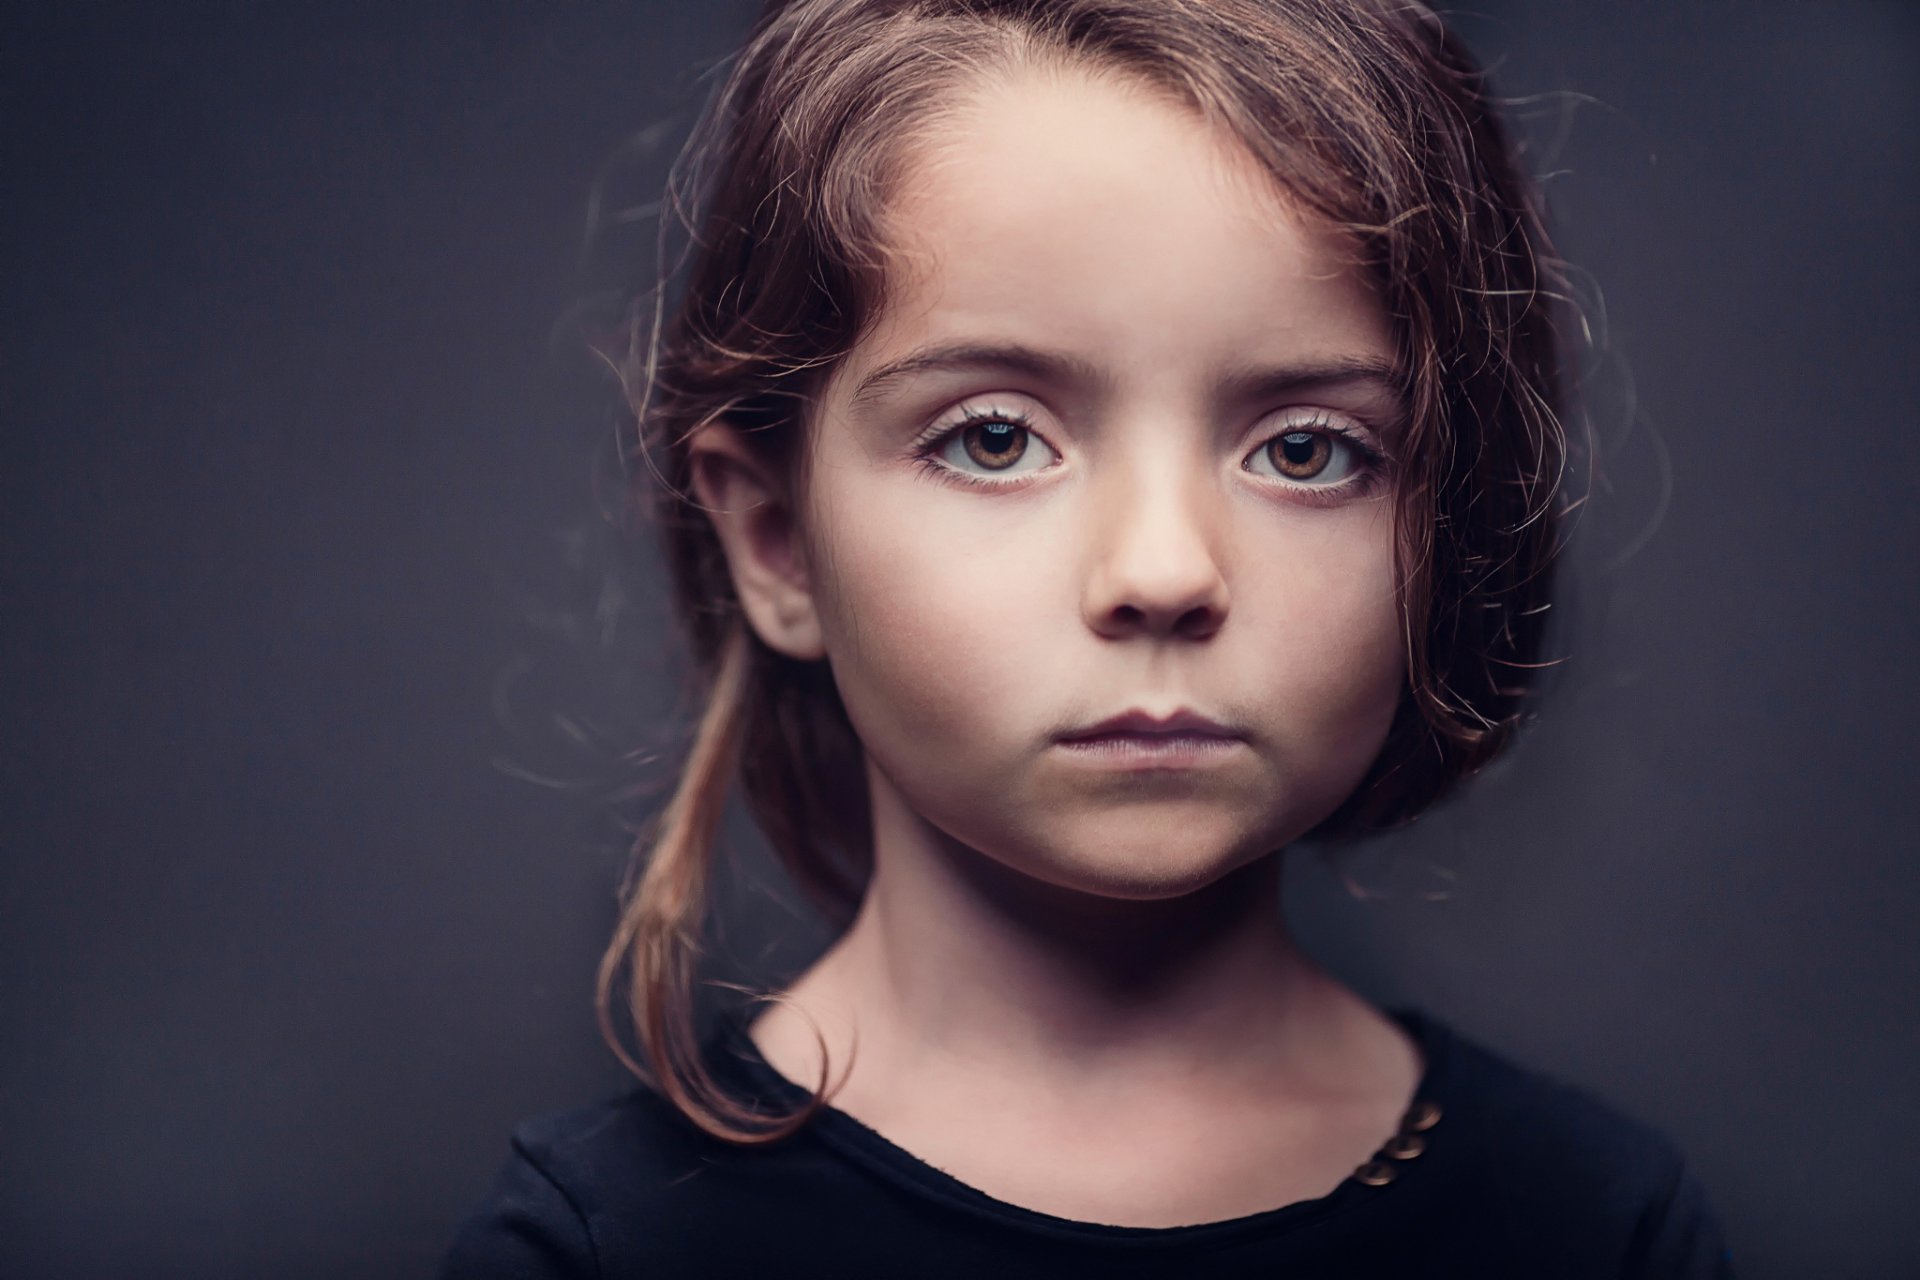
x: 527, y: 1228
x: 1679, y: 1237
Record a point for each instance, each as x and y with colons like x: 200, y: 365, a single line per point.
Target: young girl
x: 1099, y: 444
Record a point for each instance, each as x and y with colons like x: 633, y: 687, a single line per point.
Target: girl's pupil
x: 1303, y: 454
x: 995, y: 443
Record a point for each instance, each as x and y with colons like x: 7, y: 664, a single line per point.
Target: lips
x: 1183, y: 722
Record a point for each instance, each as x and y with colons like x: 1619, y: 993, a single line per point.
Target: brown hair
x: 1368, y: 113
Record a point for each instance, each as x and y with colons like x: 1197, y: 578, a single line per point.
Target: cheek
x: 1329, y: 621
x: 938, y: 625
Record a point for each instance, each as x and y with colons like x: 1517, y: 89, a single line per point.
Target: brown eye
x: 991, y: 444
x: 1300, y: 455
x: 994, y: 445
x: 1314, y: 457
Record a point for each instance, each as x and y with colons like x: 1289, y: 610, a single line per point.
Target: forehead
x: 1092, y: 214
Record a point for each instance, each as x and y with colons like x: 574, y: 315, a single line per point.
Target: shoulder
x: 1546, y: 1123
x: 1560, y: 1158
x: 571, y: 1186
x: 617, y: 1145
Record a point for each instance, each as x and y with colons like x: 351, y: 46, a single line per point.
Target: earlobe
x: 754, y: 520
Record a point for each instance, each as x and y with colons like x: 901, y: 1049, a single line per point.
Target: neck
x: 958, y: 961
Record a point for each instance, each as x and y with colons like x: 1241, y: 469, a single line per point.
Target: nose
x: 1155, y: 567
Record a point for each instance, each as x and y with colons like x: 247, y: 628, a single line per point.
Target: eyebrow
x: 1244, y: 382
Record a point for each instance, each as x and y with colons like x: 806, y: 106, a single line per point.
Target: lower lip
x: 1152, y: 750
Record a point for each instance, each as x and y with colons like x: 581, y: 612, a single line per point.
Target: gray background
x: 296, y: 540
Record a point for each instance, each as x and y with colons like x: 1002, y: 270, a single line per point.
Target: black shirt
x: 1497, y: 1172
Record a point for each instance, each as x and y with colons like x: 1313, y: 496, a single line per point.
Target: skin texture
x: 1071, y: 986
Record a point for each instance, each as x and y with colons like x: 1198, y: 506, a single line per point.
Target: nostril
x: 1198, y: 621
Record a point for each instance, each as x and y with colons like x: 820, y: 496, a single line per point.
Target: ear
x: 752, y: 514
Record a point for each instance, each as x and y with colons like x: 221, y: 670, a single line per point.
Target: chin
x: 1137, y: 883
x: 1136, y: 859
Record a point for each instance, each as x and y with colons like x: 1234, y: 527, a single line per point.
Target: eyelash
x: 1370, y: 472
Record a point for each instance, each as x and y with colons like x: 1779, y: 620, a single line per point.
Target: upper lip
x: 1183, y: 720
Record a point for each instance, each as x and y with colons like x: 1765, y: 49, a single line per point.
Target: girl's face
x: 1116, y: 444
